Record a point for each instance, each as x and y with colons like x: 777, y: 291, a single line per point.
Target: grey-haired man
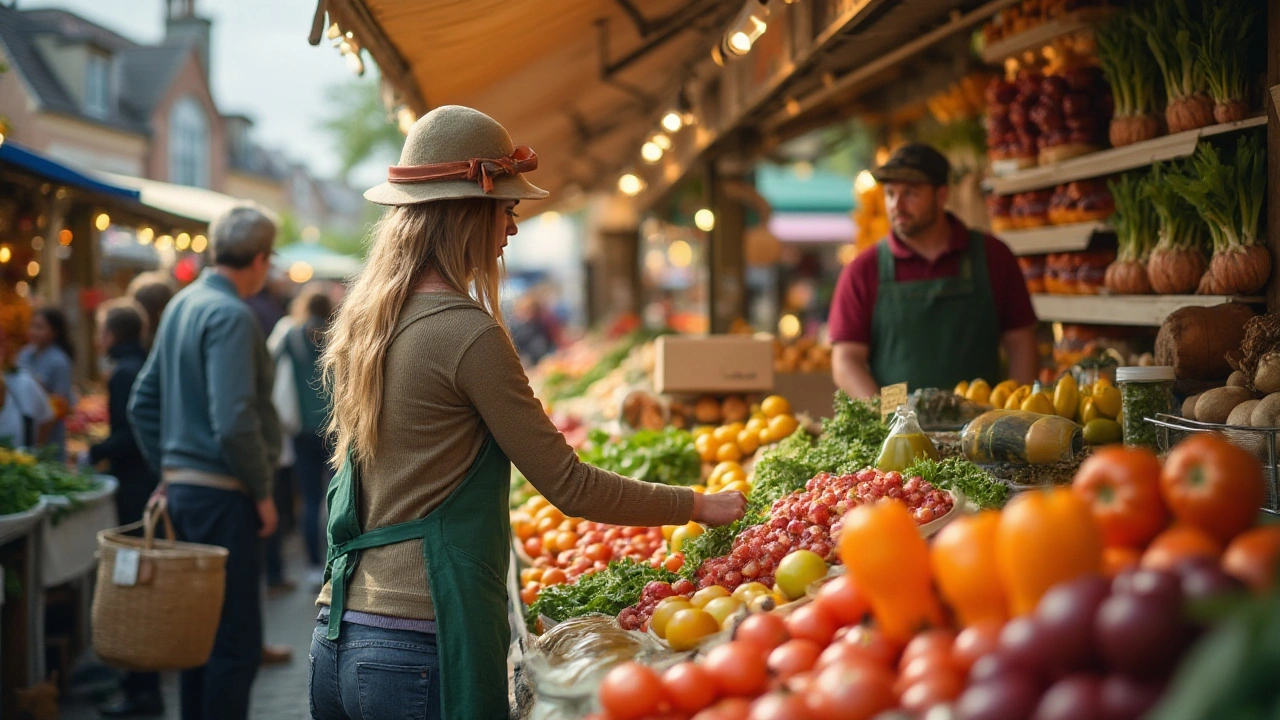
x: 202, y: 413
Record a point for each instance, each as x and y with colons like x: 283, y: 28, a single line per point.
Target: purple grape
x: 1066, y: 616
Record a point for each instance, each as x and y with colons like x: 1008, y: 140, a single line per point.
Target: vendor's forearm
x: 852, y: 371
x: 1024, y: 359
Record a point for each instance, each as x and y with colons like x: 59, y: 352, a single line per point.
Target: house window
x: 97, y: 85
x: 189, y: 143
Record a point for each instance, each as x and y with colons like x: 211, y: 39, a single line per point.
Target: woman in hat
x: 430, y: 409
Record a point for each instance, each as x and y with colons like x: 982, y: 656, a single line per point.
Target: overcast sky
x: 262, y: 64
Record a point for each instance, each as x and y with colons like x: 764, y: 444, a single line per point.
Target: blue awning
x: 53, y: 171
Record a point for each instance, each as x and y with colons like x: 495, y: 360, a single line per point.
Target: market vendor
x: 934, y: 302
x: 429, y: 403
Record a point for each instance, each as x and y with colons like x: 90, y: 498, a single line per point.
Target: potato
x: 1242, y: 415
x: 1215, y: 406
x: 1237, y: 379
x: 1266, y: 379
x: 1267, y: 412
x: 1189, y: 407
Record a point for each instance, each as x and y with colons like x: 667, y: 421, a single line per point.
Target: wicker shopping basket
x: 160, y: 609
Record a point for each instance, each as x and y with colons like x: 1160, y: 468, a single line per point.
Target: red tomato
x: 975, y: 641
x: 1122, y: 487
x: 842, y: 600
x: 739, y: 668
x: 926, y: 666
x: 1214, y: 485
x: 529, y: 593
x: 928, y: 642
x: 766, y: 630
x: 689, y: 687
x: 1178, y: 543
x: 533, y: 546
x: 674, y: 562
x: 599, y: 552
x: 811, y: 623
x: 631, y: 691
x: 792, y: 657
x: 778, y: 706
x: 1254, y: 557
x: 727, y: 709
x: 874, y: 642
x: 850, y: 692
x: 941, y: 687
x: 554, y: 576
x: 838, y: 653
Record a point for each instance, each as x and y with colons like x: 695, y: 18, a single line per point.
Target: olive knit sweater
x: 452, y: 379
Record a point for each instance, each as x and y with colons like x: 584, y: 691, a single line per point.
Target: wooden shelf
x: 1052, y: 238
x: 1107, y: 162
x: 1141, y: 310
x: 1044, y: 33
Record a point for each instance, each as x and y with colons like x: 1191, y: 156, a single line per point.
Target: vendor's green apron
x: 467, y: 544
x: 935, y: 333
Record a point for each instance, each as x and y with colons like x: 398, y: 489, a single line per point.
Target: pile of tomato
x: 1069, y: 603
x: 563, y: 549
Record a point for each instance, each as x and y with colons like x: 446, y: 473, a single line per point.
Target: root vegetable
x: 1266, y: 379
x: 1189, y: 407
x: 1175, y: 271
x: 1233, y: 111
x: 1237, y: 379
x: 1215, y: 406
x: 1242, y: 414
x: 1195, y: 340
x: 1136, y: 226
x: 1189, y: 113
x: 1237, y: 271
x: 1267, y: 413
x: 1133, y: 129
x: 1177, y: 262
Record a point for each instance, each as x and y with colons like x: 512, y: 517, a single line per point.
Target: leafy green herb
x: 1232, y: 30
x: 959, y: 474
x: 1229, y: 196
x: 666, y: 456
x: 610, y: 362
x: 1135, y: 220
x: 608, y: 591
x: 1130, y: 69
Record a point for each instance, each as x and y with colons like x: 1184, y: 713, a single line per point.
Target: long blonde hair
x: 456, y: 238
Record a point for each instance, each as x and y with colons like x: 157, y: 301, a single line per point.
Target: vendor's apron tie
x: 481, y: 170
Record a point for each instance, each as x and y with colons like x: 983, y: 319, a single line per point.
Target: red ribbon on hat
x: 481, y: 170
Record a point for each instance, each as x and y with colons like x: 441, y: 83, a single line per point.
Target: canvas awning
x: 582, y: 82
x: 199, y: 204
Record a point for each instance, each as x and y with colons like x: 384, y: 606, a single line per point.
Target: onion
x: 1232, y: 111
x: 1128, y: 277
x: 1238, y: 270
x: 1130, y: 129
x: 1189, y: 112
x: 1175, y: 271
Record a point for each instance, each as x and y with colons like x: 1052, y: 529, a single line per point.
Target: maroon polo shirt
x: 855, y: 295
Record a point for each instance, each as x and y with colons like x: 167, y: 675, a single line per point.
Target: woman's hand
x: 719, y: 508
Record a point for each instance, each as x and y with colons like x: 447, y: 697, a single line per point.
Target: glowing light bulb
x: 705, y: 220
x: 102, y: 222
x: 630, y: 184
x: 650, y: 152
x: 672, y: 121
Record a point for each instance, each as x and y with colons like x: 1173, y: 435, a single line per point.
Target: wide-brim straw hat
x: 457, y: 152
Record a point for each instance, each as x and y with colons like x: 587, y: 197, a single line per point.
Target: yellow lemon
x: 999, y: 397
x: 746, y: 591
x: 782, y: 426
x: 979, y: 392
x: 748, y: 442
x: 706, y: 446
x: 756, y: 424
x: 1107, y: 400
x: 665, y: 610
x: 724, y: 434
x: 1089, y: 411
x: 739, y: 486
x: 725, y: 467
x: 729, y: 452
x: 962, y: 388
x: 732, y: 476
x: 682, y: 533
x: 687, y: 627
x: 707, y: 594
x: 1066, y: 397
x: 775, y: 405
x: 721, y: 608
x: 667, y: 530
x: 1007, y: 386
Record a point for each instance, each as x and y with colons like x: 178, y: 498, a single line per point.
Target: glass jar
x: 1144, y: 393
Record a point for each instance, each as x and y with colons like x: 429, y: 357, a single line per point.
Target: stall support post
x: 613, y: 275
x: 50, y: 277
x: 1273, y: 152
x: 81, y: 273
x: 728, y: 263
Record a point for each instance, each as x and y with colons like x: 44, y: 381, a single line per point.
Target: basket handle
x: 157, y: 507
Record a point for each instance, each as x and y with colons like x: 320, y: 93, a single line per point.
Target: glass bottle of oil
x: 906, y: 443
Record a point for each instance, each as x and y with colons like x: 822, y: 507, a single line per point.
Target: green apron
x: 935, y: 333
x: 467, y: 545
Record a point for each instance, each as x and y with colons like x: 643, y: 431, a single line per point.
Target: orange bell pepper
x: 887, y: 557
x: 964, y: 562
x: 1045, y: 538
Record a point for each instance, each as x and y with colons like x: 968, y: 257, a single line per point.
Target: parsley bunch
x: 609, y: 591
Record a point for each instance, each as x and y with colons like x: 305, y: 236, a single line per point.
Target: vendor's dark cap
x: 914, y: 163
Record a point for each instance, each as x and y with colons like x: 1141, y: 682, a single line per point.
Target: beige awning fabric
x: 536, y: 67
x: 195, y: 203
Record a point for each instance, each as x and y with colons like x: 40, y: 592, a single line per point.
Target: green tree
x: 360, y: 126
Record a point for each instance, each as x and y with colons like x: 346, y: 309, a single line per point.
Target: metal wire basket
x: 1262, y: 442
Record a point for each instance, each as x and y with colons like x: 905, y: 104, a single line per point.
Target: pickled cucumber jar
x: 1144, y: 393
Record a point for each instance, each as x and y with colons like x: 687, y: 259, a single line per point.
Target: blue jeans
x: 219, y: 690
x: 374, y: 674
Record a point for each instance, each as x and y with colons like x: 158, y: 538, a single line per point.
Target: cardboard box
x: 810, y: 393
x: 713, y: 364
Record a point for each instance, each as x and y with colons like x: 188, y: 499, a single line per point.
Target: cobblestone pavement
x: 280, y: 691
